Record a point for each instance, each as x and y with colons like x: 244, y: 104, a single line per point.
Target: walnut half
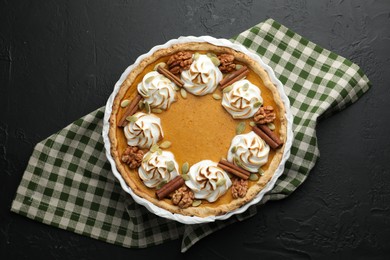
x: 179, y: 62
x: 183, y: 197
x: 239, y: 188
x: 226, y: 63
x: 264, y: 115
x: 132, y: 156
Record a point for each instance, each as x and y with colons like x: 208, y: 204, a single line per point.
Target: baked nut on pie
x: 197, y: 129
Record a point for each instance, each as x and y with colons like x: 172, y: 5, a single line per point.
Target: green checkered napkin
x: 68, y: 182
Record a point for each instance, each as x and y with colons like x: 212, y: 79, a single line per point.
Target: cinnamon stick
x: 232, y: 165
x: 170, y: 76
x: 233, y: 169
x: 130, y: 110
x: 171, y: 186
x: 271, y: 134
x: 265, y: 137
x: 233, y: 77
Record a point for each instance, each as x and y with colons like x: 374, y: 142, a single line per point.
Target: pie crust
x: 128, y: 90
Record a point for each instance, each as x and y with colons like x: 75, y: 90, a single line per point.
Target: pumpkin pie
x: 197, y: 129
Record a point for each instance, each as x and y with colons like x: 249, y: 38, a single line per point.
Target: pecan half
x: 179, y: 62
x: 264, y: 115
x: 226, y: 63
x: 132, y: 156
x: 239, y: 188
x: 183, y: 197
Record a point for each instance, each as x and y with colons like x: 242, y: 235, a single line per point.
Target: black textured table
x: 59, y: 61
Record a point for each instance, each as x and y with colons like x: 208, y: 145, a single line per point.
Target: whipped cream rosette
x: 208, y: 181
x: 144, y: 131
x: 157, y: 168
x: 243, y: 100
x: 157, y: 90
x: 202, y: 77
x: 249, y: 150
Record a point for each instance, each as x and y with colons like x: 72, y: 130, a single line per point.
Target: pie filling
x: 197, y: 131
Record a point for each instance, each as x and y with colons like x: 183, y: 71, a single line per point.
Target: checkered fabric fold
x: 68, y: 182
